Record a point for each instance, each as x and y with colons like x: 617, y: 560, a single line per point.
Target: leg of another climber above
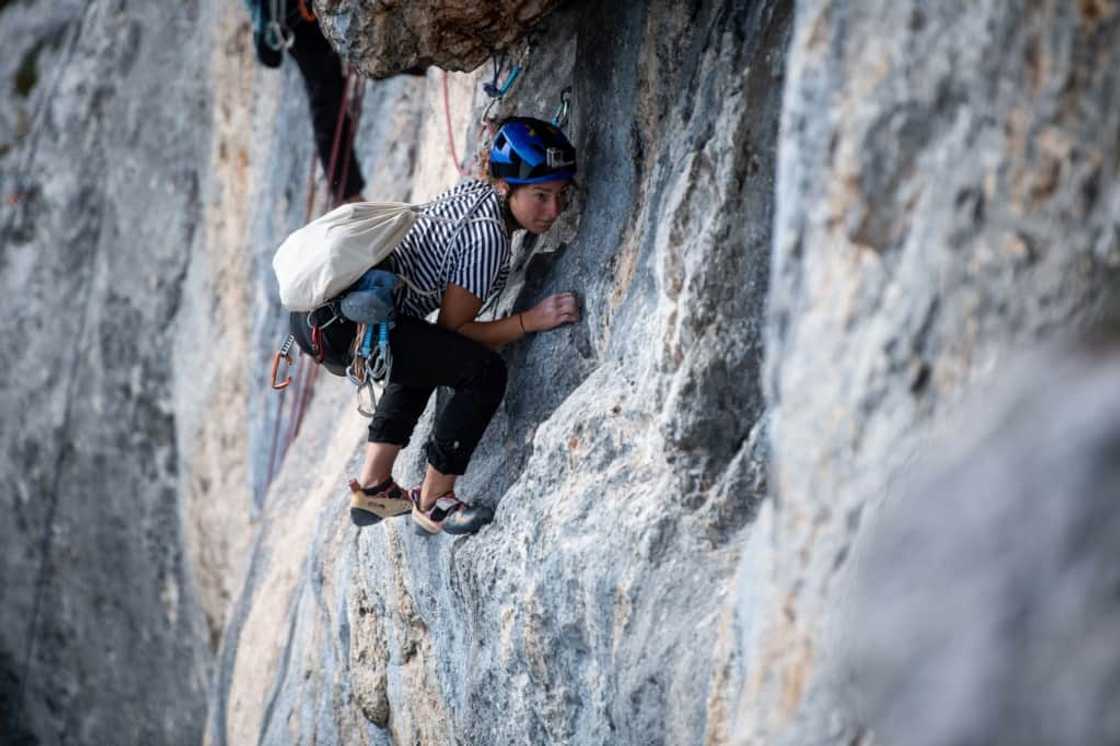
x: 322, y: 77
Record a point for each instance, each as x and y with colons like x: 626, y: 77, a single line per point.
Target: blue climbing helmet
x: 529, y: 151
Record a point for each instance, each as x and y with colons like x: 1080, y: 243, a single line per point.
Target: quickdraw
x: 277, y: 34
x: 560, y: 118
x: 493, y: 89
x: 285, y: 354
x: 496, y: 90
x: 365, y: 367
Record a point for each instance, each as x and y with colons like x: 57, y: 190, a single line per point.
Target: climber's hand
x: 551, y: 312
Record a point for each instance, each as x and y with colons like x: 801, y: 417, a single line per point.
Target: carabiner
x: 284, y: 353
x: 560, y: 118
x: 363, y: 410
x: 275, y: 37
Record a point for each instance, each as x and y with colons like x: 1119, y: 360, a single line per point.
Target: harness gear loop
x: 560, y: 118
x: 284, y: 353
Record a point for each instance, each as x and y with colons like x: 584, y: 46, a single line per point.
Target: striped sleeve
x: 482, y: 254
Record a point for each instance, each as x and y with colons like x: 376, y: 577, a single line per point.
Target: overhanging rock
x: 385, y: 37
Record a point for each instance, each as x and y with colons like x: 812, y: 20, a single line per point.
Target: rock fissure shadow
x: 11, y: 706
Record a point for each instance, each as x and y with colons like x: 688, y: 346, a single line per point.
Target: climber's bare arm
x: 460, y: 306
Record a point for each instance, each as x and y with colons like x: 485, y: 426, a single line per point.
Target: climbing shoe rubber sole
x: 367, y: 509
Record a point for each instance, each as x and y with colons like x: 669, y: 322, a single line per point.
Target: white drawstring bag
x: 329, y: 254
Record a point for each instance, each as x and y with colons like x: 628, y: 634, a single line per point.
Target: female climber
x: 454, y: 264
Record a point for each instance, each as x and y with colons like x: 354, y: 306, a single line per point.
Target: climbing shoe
x: 449, y: 514
x: 368, y: 505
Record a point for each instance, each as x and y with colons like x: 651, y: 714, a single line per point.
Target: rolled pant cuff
x: 448, y: 458
x: 386, y: 435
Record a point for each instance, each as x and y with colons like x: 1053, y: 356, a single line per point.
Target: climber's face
x: 536, y: 206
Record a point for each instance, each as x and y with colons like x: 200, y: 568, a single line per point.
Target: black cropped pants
x: 426, y: 356
x: 322, y: 77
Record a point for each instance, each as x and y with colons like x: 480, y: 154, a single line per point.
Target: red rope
x: 312, y: 183
x: 307, y: 373
x: 450, y: 137
x: 275, y: 438
x: 342, y: 111
x: 348, y: 147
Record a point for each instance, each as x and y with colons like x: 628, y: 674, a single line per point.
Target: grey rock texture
x: 103, y: 637
x: 625, y: 465
x: 383, y: 38
x: 677, y: 522
x: 986, y: 608
x: 135, y: 347
x: 947, y: 194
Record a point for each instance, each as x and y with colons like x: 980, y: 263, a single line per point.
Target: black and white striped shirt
x: 478, y: 261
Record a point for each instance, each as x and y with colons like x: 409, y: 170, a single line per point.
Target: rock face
x: 382, y: 38
x: 677, y: 521
x: 625, y: 464
x: 103, y: 637
x: 946, y: 195
x: 986, y: 599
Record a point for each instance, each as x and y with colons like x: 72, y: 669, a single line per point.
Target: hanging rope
x: 450, y: 136
x: 357, y: 96
x: 302, y: 382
